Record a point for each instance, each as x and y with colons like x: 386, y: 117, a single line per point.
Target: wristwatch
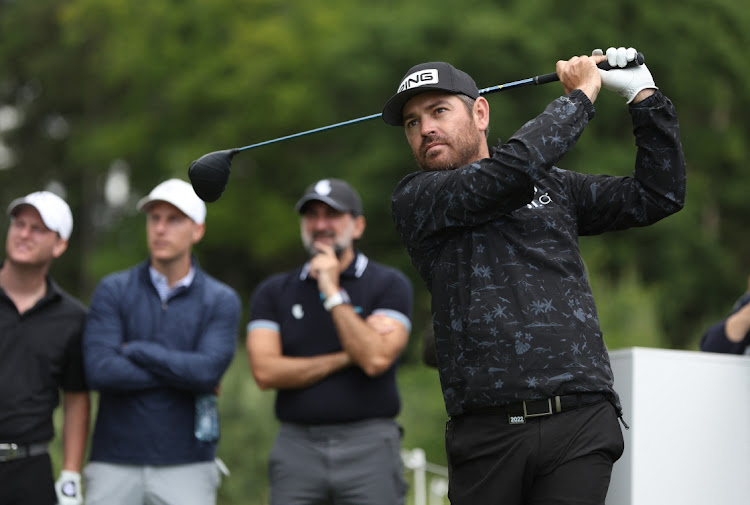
x: 339, y: 297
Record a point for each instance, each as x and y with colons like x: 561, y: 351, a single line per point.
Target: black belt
x: 10, y: 451
x: 518, y: 412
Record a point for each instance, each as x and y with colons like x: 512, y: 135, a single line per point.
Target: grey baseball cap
x: 334, y: 192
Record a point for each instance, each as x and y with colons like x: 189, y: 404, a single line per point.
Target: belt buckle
x: 548, y: 413
x: 10, y: 451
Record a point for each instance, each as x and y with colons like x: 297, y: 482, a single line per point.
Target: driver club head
x: 209, y: 174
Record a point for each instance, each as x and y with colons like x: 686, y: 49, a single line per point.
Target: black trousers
x: 27, y: 481
x: 564, y: 458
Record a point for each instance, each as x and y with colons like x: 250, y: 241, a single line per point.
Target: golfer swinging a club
x: 494, y: 234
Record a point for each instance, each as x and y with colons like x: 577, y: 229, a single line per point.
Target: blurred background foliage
x: 102, y: 99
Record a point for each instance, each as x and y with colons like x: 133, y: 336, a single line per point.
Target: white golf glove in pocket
x: 626, y: 82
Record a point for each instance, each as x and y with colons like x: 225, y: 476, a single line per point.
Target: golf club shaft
x: 322, y: 128
x: 539, y: 79
x: 552, y: 77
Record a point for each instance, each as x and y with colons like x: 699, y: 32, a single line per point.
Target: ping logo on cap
x: 419, y: 78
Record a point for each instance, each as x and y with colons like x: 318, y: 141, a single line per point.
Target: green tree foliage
x: 146, y: 87
x: 154, y: 86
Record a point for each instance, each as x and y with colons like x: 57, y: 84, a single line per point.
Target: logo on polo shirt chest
x: 419, y: 78
x: 539, y: 200
x: 297, y: 311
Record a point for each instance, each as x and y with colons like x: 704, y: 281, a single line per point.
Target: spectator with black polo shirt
x: 40, y: 354
x: 327, y: 336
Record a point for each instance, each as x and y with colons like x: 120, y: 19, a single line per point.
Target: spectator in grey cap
x: 341, y: 198
x: 40, y: 355
x: 327, y: 337
x: 493, y: 232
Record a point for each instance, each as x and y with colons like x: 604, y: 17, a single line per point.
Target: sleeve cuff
x: 655, y: 100
x: 577, y: 94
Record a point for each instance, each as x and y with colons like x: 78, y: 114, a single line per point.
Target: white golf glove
x: 68, y: 488
x: 626, y: 82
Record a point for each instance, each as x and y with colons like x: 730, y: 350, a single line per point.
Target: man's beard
x: 308, y: 241
x: 466, y: 148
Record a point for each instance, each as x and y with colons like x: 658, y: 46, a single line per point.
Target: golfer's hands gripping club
x: 626, y: 81
x: 580, y: 72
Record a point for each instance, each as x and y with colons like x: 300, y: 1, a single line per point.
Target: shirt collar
x: 162, y: 285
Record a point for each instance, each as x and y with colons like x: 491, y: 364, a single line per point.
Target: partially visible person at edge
x: 40, y: 354
x: 158, y: 338
x: 494, y: 234
x: 732, y: 334
x: 327, y: 336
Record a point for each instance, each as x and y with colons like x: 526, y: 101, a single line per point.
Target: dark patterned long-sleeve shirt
x: 496, y: 242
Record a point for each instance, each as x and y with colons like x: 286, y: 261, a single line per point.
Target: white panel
x: 689, y: 437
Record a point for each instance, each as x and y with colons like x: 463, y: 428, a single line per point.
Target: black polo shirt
x: 40, y: 353
x: 290, y: 303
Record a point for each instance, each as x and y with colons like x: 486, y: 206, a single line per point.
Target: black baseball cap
x: 334, y: 192
x: 432, y: 76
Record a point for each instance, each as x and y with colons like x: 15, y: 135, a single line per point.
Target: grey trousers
x: 355, y: 463
x: 116, y: 484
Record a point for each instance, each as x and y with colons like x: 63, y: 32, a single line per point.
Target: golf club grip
x: 551, y: 77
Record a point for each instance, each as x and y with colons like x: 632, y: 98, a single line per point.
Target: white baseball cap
x: 180, y: 194
x: 54, y: 211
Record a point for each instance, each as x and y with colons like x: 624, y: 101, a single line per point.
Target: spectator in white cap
x: 158, y: 339
x: 40, y: 354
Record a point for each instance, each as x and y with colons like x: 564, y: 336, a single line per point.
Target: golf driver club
x: 209, y: 174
